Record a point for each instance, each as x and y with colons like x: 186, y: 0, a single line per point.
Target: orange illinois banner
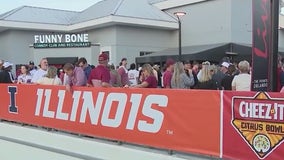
x: 181, y: 120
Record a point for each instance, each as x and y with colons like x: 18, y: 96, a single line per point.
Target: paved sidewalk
x: 26, y: 142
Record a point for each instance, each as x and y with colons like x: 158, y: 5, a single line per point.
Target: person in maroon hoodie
x: 167, y: 76
x: 100, y: 76
x: 123, y: 72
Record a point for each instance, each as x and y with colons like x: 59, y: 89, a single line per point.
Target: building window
x: 143, y: 53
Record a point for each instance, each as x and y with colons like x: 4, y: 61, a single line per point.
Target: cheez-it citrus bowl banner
x: 253, y: 125
x: 181, y: 120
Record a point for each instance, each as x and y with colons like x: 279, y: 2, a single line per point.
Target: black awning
x: 212, y: 52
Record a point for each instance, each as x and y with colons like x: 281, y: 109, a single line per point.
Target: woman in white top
x: 25, y: 76
x: 242, y: 82
x: 50, y: 78
x: 133, y: 75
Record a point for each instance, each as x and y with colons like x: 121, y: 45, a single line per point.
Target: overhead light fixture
x: 179, y: 14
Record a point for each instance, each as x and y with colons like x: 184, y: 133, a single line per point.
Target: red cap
x: 103, y: 57
x: 170, y: 62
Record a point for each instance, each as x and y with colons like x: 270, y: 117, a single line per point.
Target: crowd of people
x: 176, y: 75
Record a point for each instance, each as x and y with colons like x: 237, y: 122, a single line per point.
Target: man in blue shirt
x: 82, y: 62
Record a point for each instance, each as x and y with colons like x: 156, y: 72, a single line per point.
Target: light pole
x: 178, y: 15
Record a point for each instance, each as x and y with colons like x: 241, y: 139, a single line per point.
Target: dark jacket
x: 227, y: 82
x: 5, y: 77
x: 210, y: 85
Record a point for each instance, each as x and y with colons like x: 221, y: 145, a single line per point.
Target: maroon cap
x: 103, y: 57
x: 170, y: 62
